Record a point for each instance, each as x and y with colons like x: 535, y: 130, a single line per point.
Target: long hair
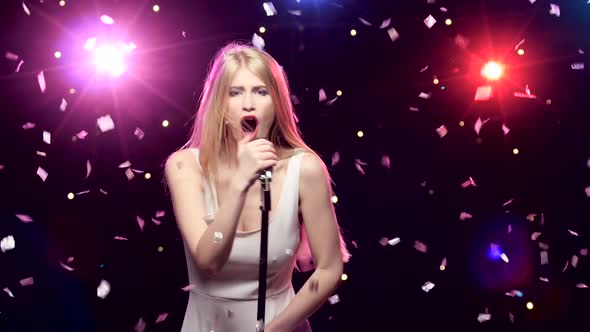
x: 212, y: 135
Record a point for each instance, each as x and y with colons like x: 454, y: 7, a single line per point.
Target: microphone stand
x: 265, y: 179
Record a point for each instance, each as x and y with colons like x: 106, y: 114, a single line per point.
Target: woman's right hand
x: 254, y: 156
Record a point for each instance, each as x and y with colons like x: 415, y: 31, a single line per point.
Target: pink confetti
x: 505, y: 129
x: 11, y: 56
x: 566, y: 265
x: 554, y: 10
x: 468, y: 183
x: 581, y: 285
x: 88, y: 169
x: 465, y: 215
x: 41, y: 79
x: 385, y: 162
x: 103, y: 192
x: 63, y: 105
x: 160, y: 213
x: 140, y: 326
x: 508, y: 202
x: 141, y: 222
x: 584, y: 252
x: 578, y: 66
x: 573, y: 233
x: 479, y: 124
x: 28, y: 126
x: 365, y: 22
x: 90, y: 43
x: 157, y: 222
x: 425, y: 95
x: 429, y: 21
x: 107, y: 19
x: 258, y: 42
x: 139, y: 133
x: 65, y: 266
x: 82, y: 192
x: 161, y: 317
x: 120, y: 238
x: 188, y: 288
x: 385, y: 23
x: 129, y: 174
x: 535, y: 235
x: 7, y: 291
x: 18, y: 66
x: 423, y: 69
x: 444, y: 262
x: 70, y: 259
x: 509, y: 228
x: 575, y: 261
x: 420, y: 246
x: 27, y: 282
x: 483, y: 93
x: 184, y: 34
x: 47, y: 137
x: 393, y: 34
x: 82, y: 134
x: 442, y: 131
x: 335, y: 158
x: 544, y: 279
x: 105, y: 123
x: 359, y: 166
x: 587, y: 191
x: 24, y: 218
x: 330, y: 102
x: 26, y: 9
x: 414, y: 109
x: 42, y: 173
x: 519, y: 43
x: 544, y: 258
x: 322, y: 95
x: 443, y: 9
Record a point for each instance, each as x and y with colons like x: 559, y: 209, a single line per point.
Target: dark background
x: 419, y: 197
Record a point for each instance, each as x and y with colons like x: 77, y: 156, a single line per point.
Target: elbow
x: 207, y: 268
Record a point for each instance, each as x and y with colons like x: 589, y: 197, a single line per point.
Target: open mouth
x: 249, y: 124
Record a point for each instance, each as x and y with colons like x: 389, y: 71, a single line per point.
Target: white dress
x: 229, y: 302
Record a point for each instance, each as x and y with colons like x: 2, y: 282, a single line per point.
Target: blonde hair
x: 211, y: 133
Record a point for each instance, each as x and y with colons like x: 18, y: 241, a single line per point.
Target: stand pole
x: 265, y: 179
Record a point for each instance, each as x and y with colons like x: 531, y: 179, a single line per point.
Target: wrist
x: 240, y: 184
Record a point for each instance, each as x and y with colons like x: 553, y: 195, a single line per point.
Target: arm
x: 320, y: 222
x: 186, y: 190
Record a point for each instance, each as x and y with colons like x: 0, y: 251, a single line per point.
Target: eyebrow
x: 253, y: 88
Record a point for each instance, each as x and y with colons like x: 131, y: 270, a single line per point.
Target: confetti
x: 107, y: 19
x: 465, y: 215
x: 26, y: 9
x: 443, y: 9
x: 88, y: 169
x: 543, y: 279
x: 394, y: 241
x: 484, y: 317
x: 385, y: 161
x: 27, y: 282
x: 42, y: 173
x: 423, y: 69
x: 578, y: 66
x: 427, y: 286
x: 584, y: 252
x: 393, y: 34
x: 140, y: 222
x: 334, y: 299
x: 587, y: 191
x: 81, y: 135
x: 442, y: 131
x: 574, y: 261
x: 519, y: 43
x: 188, y: 288
x: 105, y: 123
x: 66, y: 266
x: 581, y: 285
x: 468, y: 183
x: 120, y: 238
x: 509, y: 229
x: 573, y: 233
x: 296, y: 12
x: 41, y: 80
x: 554, y: 10
x: 183, y: 34
x: 103, y: 289
x: 483, y: 93
x: 18, y: 66
x: 543, y: 246
x: 24, y: 218
x: 269, y: 8
x: 11, y: 56
x: 258, y: 42
x: 535, y: 235
x: 566, y: 265
x: 478, y: 124
x: 7, y: 243
x: 505, y: 129
x: 508, y: 202
x: 444, y: 262
x: 7, y: 291
x: 139, y: 133
x: 425, y: 95
x: 420, y: 246
x: 140, y: 325
x: 429, y: 21
x: 322, y: 95
x: 90, y: 43
x: 161, y: 317
x: 157, y: 222
x: 414, y: 109
x: 365, y: 22
x: 63, y: 105
x: 330, y: 102
x: 359, y: 166
x: 47, y: 137
x: 504, y: 258
x: 385, y: 23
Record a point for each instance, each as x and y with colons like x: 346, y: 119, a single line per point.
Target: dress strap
x: 210, y: 192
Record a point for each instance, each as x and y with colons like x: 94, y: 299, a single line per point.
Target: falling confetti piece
x: 427, y: 286
x: 63, y: 105
x: 90, y: 43
x: 575, y: 261
x: 393, y: 34
x: 269, y: 8
x: 385, y: 23
x: 429, y: 21
x: 365, y: 22
x: 88, y: 169
x: 65, y: 266
x: 188, y: 288
x: 125, y: 164
x: 519, y: 43
x: 578, y: 66
x: 535, y: 235
x: 105, y: 123
x: 11, y: 56
x: 573, y: 233
x: 42, y: 173
x: 484, y: 317
x: 41, y: 80
x: 161, y: 317
x: 7, y: 243
x: 18, y: 66
x: 442, y: 131
x: 420, y: 246
x: 359, y: 166
x: 443, y: 9
x: 554, y: 10
x: 82, y: 134
x: 258, y: 42
x: 465, y: 215
x: 103, y: 192
x: 425, y: 95
x: 47, y: 137
x: 330, y: 102
x: 27, y: 282
x: 514, y: 293
x: 157, y: 222
x: 423, y: 69
x: 335, y: 158
x: 508, y: 202
x: 121, y: 238
x: 129, y: 174
x: 444, y: 262
x: 183, y: 34
x: 334, y: 299
x: 543, y: 246
x: 140, y: 326
x: 505, y: 129
x: 7, y: 291
x: 468, y: 183
x: 483, y: 93
x: 322, y: 95
x: 504, y: 258
x: 479, y: 124
x: 581, y: 285
x: 139, y: 133
x: 509, y: 229
x: 140, y: 222
x: 567, y: 263
x: 103, y: 289
x: 584, y: 252
x: 394, y: 241
x: 24, y: 218
x: 107, y: 19
x: 543, y: 279
x: 26, y: 9
x: 82, y: 192
x: 587, y: 191
x: 414, y: 109
x: 296, y: 12
x: 385, y: 161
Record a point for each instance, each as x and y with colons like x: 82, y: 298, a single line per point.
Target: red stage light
x: 492, y: 71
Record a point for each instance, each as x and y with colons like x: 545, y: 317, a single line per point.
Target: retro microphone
x: 249, y: 125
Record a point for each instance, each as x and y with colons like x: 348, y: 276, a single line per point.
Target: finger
x: 266, y: 148
x: 264, y: 156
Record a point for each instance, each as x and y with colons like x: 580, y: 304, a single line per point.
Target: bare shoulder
x: 312, y: 167
x: 181, y: 164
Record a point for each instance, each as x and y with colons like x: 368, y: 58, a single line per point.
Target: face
x: 249, y: 96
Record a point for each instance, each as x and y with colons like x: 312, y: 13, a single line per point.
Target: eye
x: 263, y: 92
x: 233, y: 93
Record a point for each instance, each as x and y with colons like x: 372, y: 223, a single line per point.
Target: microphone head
x: 249, y: 124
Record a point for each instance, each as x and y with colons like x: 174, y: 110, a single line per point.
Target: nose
x: 248, y: 103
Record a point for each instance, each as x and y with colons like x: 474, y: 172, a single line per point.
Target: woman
x: 212, y: 181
